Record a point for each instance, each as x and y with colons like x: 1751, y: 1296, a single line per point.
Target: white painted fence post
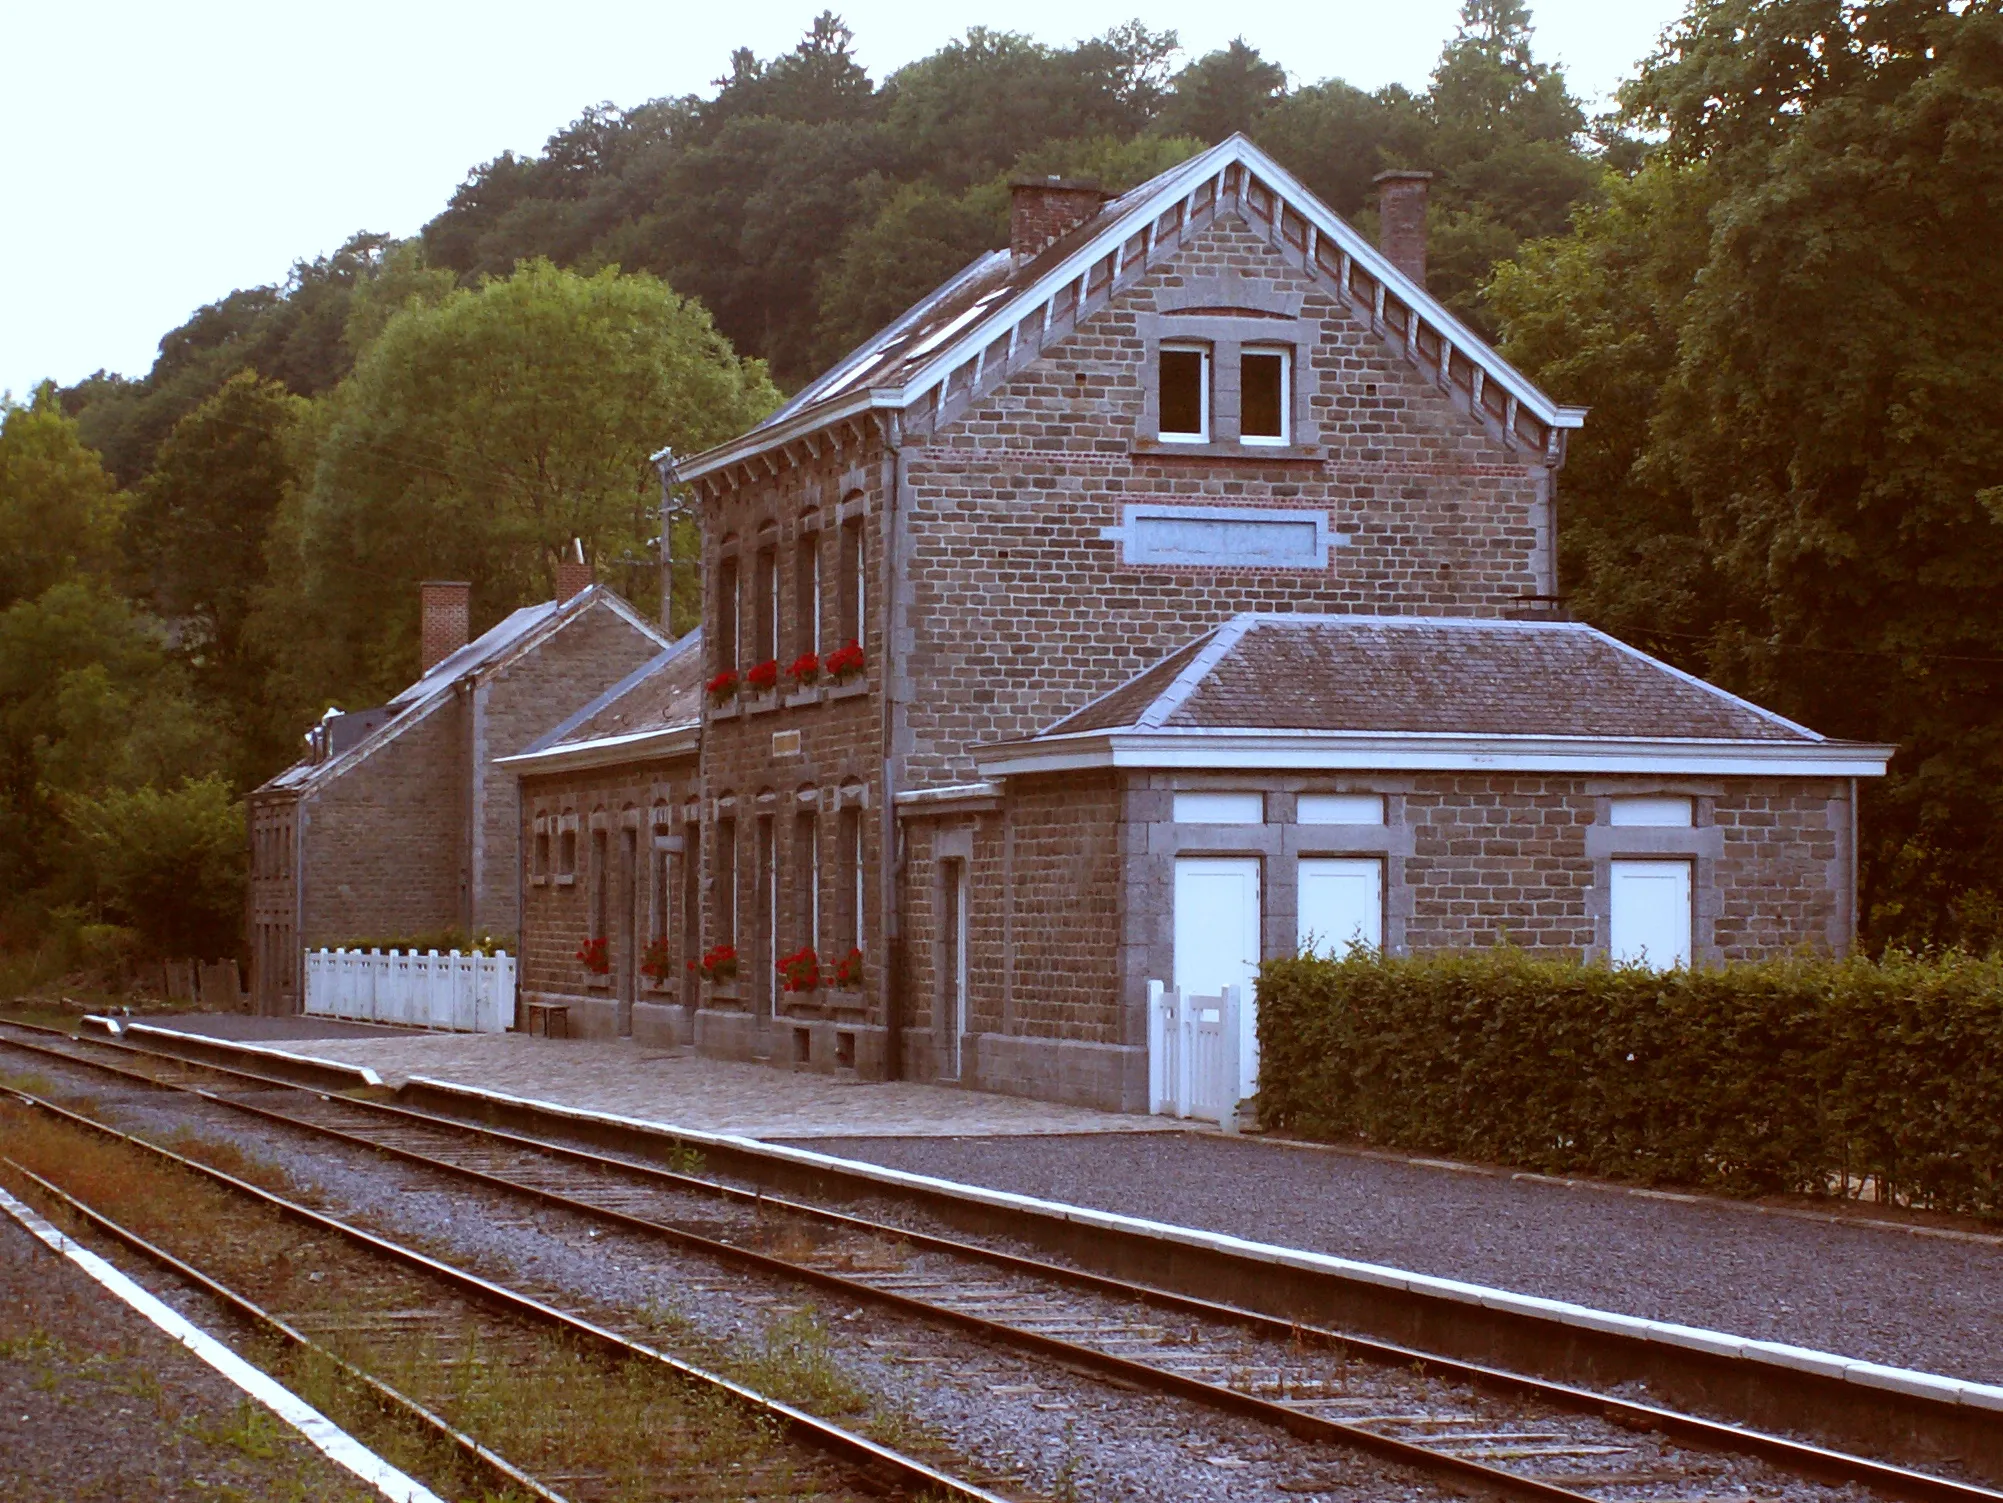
x: 1157, y: 1050
x: 1227, y: 1060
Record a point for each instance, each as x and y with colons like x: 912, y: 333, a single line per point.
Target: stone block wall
x: 651, y: 799
x: 525, y: 698
x: 1022, y: 610
x: 384, y: 844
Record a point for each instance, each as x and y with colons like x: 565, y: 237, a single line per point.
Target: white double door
x: 1217, y: 921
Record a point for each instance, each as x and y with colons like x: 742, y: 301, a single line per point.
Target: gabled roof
x: 914, y: 356
x: 1383, y: 692
x: 513, y: 634
x: 656, y: 710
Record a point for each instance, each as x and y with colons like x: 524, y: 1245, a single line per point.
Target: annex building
x: 1170, y: 590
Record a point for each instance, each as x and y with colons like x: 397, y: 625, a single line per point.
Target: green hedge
x: 1797, y: 1076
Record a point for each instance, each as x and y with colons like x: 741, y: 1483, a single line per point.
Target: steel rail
x: 1799, y: 1456
x: 498, y: 1466
x: 906, y: 1473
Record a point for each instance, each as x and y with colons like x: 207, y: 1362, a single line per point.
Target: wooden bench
x: 554, y: 1017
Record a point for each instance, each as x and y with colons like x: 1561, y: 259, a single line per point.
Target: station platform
x: 678, y: 1086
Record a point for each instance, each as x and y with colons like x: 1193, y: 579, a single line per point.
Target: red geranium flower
x: 723, y: 688
x: 845, y: 662
x: 805, y: 668
x: 765, y: 677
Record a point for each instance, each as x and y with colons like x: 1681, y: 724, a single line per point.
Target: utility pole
x: 664, y: 462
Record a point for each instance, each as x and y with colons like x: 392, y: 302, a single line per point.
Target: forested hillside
x: 1770, y: 274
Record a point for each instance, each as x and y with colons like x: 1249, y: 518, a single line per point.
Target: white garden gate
x: 465, y: 993
x: 1193, y: 1054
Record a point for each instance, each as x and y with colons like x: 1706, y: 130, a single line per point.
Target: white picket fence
x: 1193, y: 1054
x: 466, y: 993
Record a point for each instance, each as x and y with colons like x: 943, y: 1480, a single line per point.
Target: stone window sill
x: 565, y: 881
x: 765, y: 704
x: 1154, y: 448
x: 803, y: 697
x: 849, y: 690
x: 724, y: 991
x: 724, y: 711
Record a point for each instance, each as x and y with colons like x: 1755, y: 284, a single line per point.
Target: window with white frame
x: 1265, y: 395
x: 1183, y: 392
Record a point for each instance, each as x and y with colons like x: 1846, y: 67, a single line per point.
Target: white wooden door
x: 1340, y: 902
x: 1217, y: 942
x: 1651, y: 913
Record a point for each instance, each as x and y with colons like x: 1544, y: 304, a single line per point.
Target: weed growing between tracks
x: 608, y: 1429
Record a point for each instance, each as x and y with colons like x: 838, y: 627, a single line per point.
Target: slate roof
x: 663, y: 693
x: 1424, y: 675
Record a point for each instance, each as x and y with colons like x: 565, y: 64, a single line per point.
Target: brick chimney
x: 573, y: 574
x: 1042, y: 210
x: 1401, y: 220
x: 443, y: 607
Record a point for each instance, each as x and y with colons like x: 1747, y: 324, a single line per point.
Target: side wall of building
x: 522, y: 700
x: 1040, y: 875
x: 792, y: 779
x: 383, y: 845
x: 625, y: 882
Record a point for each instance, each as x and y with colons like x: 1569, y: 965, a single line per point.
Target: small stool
x: 554, y: 1017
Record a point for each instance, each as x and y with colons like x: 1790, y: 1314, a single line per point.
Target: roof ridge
x: 1196, y: 670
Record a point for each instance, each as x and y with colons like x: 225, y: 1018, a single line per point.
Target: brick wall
x: 1784, y: 875
x: 1498, y: 859
x: 384, y: 843
x: 648, y: 798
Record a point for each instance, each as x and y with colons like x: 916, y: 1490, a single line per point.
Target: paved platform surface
x: 678, y: 1086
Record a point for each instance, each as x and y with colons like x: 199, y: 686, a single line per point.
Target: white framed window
x: 1339, y: 903
x: 1673, y: 811
x: 1652, y: 921
x: 1339, y: 809
x: 1265, y: 395
x: 1182, y: 391
x: 1220, y: 808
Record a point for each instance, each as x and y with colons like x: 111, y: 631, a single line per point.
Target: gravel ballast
x: 1061, y: 1434
x: 97, y: 1405
x: 1885, y: 1296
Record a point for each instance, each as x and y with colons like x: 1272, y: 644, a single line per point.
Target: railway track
x: 1501, y: 1432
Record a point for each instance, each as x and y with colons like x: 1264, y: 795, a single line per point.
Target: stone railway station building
x: 1172, y: 589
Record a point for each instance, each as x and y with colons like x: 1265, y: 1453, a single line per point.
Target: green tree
x: 59, y: 511
x: 474, y: 440
x: 1789, y: 319
x: 166, y: 863
x: 89, y: 700
x: 199, y: 532
x: 1223, y: 92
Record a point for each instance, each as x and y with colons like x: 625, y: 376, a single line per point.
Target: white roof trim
x: 629, y: 746
x: 1415, y: 751
x: 1172, y: 187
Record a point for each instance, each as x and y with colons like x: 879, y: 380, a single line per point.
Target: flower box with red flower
x: 848, y: 972
x: 722, y: 689
x: 800, y: 971
x: 655, y: 962
x: 595, y: 955
x: 764, y: 678
x: 845, y: 662
x: 805, y: 670
x: 718, y: 964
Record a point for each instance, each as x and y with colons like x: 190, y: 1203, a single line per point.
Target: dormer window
x: 1184, y: 390
x: 1264, y: 395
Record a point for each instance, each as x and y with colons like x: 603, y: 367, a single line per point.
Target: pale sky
x: 158, y: 156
